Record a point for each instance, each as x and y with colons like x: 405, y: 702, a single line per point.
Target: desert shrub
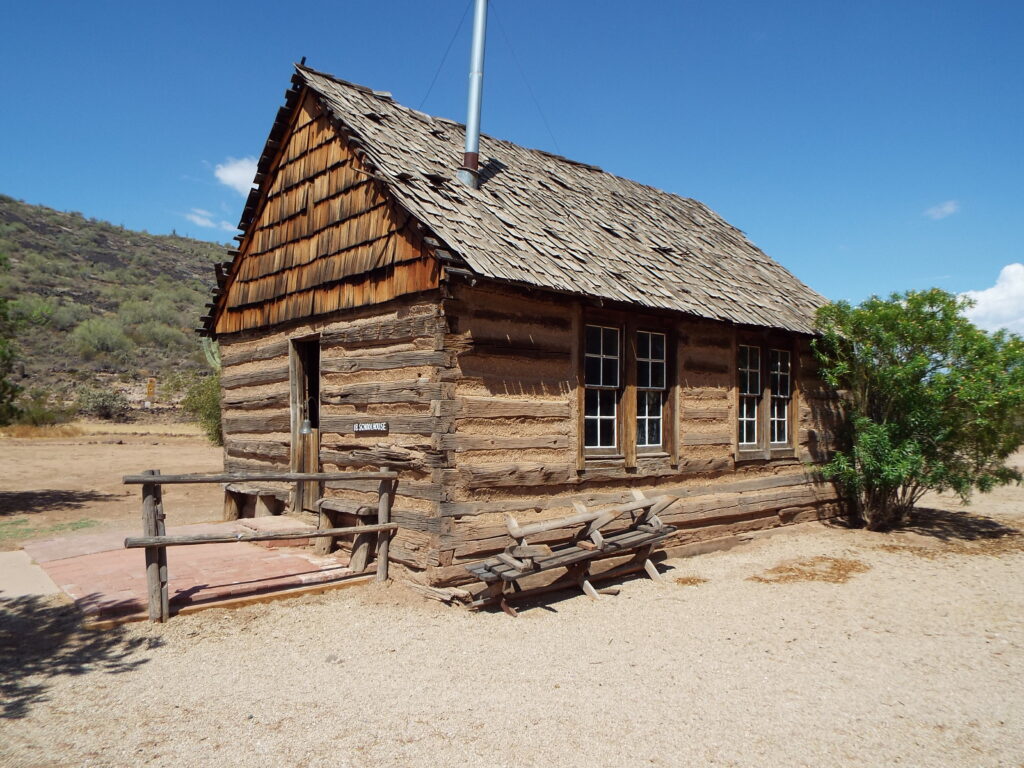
x: 156, y: 334
x: 97, y: 335
x: 202, y: 402
x: 135, y: 312
x: 174, y: 383
x: 103, y: 403
x: 68, y: 315
x: 931, y: 401
x: 38, y: 409
x: 33, y: 309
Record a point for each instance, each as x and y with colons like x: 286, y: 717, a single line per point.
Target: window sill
x: 611, y: 459
x: 750, y: 455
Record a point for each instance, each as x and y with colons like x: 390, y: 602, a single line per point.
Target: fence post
x: 156, y: 557
x: 383, y: 537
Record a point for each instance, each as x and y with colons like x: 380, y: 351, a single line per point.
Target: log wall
x: 378, y: 364
x: 512, y: 434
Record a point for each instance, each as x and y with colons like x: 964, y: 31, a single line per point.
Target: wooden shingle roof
x: 543, y: 221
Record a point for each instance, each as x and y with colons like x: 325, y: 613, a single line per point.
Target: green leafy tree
x: 932, y: 402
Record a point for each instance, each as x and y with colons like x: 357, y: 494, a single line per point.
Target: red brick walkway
x: 107, y: 580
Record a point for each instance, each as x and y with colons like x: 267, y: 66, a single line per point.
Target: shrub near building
x: 932, y: 401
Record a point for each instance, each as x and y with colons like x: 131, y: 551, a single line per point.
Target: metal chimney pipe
x: 468, y: 174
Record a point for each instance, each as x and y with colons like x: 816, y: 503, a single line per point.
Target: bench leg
x: 497, y: 590
x: 361, y: 546
x: 234, y: 504
x: 650, y: 567
x: 324, y: 544
x: 579, y: 573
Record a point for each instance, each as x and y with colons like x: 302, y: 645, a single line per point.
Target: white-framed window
x: 779, y: 382
x: 750, y: 393
x: 602, y: 380
x: 650, y: 388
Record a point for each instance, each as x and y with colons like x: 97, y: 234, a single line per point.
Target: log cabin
x: 557, y: 336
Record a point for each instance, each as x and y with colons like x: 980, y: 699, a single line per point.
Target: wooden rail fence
x: 155, y: 539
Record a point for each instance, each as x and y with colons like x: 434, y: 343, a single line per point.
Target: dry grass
x: 53, y: 430
x: 101, y: 428
x: 163, y: 429
x: 834, y: 570
x: 691, y: 581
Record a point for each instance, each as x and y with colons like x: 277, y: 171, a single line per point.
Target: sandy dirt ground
x: 53, y: 486
x: 815, y: 646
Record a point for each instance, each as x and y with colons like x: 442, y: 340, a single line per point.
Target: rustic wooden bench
x: 340, y: 513
x: 266, y: 501
x: 521, y: 559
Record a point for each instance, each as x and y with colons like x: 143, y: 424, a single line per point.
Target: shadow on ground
x: 47, y: 500
x: 42, y: 639
x: 955, y: 525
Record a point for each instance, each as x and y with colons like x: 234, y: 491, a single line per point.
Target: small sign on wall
x: 370, y: 426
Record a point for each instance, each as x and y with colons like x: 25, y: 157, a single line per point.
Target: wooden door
x: 305, y: 386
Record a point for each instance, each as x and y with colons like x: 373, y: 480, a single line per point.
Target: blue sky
x: 869, y: 147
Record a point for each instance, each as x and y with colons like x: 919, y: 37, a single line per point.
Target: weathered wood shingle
x: 544, y: 221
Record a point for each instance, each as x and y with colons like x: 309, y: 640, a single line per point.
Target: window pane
x: 658, y: 346
x: 754, y: 359
x: 655, y: 400
x: 590, y: 433
x: 611, y: 342
x: 593, y: 345
x: 750, y: 383
x: 643, y: 373
x: 658, y: 375
x: 607, y: 433
x: 592, y: 374
x: 643, y: 344
x: 610, y: 372
x: 607, y: 402
x: 654, y: 432
x: 779, y: 360
x: 590, y: 402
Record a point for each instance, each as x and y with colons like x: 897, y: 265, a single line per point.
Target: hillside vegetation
x: 95, y: 303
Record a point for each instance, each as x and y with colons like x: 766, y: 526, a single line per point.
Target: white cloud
x: 237, y: 173
x: 936, y: 212
x: 1002, y: 305
x: 202, y: 218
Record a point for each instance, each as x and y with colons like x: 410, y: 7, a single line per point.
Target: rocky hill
x: 96, y: 302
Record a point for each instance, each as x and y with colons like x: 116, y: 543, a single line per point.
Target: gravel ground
x: 816, y: 646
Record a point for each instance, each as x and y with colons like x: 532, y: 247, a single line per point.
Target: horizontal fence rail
x: 227, y: 538
x: 267, y: 477
x: 155, y: 540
